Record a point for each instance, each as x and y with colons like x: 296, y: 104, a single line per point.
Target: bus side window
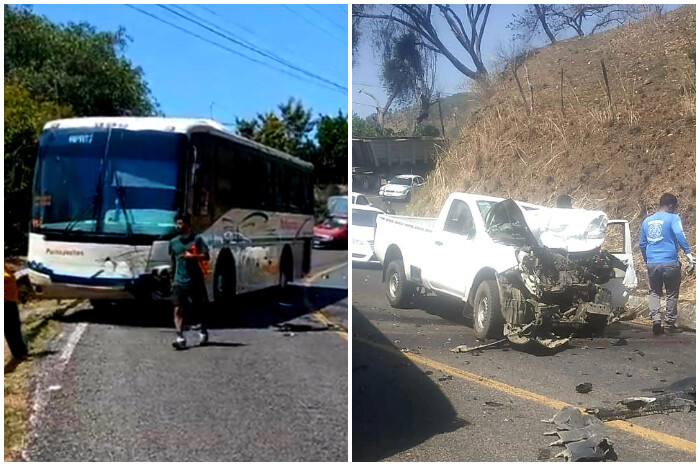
x: 200, y: 197
x: 225, y: 189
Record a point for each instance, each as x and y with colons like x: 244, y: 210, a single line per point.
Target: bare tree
x: 419, y: 19
x: 381, y: 109
x: 527, y: 25
x: 598, y: 16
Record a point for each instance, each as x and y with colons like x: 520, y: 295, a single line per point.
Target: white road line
x: 48, y: 382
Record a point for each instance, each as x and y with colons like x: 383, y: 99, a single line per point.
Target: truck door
x: 618, y: 242
x: 453, y: 245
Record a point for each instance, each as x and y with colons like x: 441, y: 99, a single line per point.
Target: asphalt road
x: 415, y: 400
x: 272, y: 384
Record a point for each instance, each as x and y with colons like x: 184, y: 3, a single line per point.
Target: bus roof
x: 172, y: 125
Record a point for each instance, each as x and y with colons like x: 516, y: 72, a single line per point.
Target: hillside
x: 619, y: 158
x: 456, y: 109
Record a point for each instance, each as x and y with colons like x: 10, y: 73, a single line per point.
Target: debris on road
x: 620, y: 342
x: 581, y: 435
x: 584, y: 387
x: 638, y: 406
x: 493, y: 403
x: 444, y: 379
x: 466, y: 349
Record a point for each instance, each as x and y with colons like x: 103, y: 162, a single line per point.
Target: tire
x: 399, y: 291
x: 224, y: 285
x: 488, y: 318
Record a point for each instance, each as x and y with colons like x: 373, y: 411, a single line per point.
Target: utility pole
x: 442, y: 123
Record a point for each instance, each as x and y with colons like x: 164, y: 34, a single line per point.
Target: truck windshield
x: 364, y: 218
x: 108, y: 182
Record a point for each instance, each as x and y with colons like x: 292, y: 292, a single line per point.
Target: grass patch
x: 39, y: 326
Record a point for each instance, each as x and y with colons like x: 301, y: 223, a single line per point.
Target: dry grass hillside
x: 617, y: 156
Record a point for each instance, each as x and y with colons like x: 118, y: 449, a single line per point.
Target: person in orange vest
x: 13, y: 331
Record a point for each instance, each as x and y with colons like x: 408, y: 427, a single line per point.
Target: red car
x: 333, y: 232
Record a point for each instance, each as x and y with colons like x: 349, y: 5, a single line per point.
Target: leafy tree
x: 332, y: 134
x: 74, y: 65
x: 289, y: 132
x: 292, y: 131
x: 25, y: 115
x: 361, y: 128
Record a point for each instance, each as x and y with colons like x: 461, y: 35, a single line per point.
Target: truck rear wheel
x: 488, y: 319
x: 398, y: 290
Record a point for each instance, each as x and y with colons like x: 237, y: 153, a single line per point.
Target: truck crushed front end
x: 556, y: 289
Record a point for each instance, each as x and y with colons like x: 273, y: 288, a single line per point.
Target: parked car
x: 522, y: 270
x: 331, y: 233
x: 359, y: 199
x: 364, y: 223
x: 401, y: 187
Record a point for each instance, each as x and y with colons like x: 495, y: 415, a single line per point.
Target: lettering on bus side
x: 80, y: 139
x: 64, y: 252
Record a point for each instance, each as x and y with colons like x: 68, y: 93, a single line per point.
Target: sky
x: 192, y: 78
x: 365, y: 74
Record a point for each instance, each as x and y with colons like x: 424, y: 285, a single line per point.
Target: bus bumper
x: 46, y: 288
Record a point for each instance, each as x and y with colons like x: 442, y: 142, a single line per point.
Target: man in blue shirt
x: 659, y: 239
x: 189, y: 290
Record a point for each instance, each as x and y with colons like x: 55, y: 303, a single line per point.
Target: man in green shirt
x: 187, y: 251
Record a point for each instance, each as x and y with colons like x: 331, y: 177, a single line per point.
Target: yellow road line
x: 324, y: 320
x: 315, y: 276
x: 669, y: 440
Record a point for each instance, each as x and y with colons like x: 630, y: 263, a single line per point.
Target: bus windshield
x: 108, y: 182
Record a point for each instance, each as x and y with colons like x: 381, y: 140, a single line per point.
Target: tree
x: 408, y: 73
x: 25, y: 115
x: 53, y: 72
x: 289, y: 132
x: 527, y: 25
x: 292, y: 132
x: 419, y: 20
x: 332, y: 137
x: 74, y: 65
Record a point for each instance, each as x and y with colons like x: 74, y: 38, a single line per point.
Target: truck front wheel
x: 488, y: 320
x: 398, y: 289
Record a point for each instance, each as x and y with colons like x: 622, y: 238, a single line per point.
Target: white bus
x: 106, y: 191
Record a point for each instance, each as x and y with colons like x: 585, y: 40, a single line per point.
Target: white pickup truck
x: 522, y: 270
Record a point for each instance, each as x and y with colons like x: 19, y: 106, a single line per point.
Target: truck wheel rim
x: 481, y: 312
x: 394, y: 284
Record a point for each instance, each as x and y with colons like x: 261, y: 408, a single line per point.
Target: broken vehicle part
x: 466, y: 349
x: 643, y: 406
x: 581, y: 435
x: 595, y: 448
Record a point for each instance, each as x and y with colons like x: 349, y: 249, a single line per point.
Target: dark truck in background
x: 377, y: 159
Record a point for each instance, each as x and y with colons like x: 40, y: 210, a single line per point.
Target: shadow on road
x: 253, y: 310
x: 395, y: 404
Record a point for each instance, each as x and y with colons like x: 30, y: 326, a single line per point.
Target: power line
x: 255, y: 34
x: 343, y: 27
x: 315, y: 25
x: 258, y: 51
x: 362, y: 103
x: 227, y: 31
x: 235, y: 52
x: 355, y: 83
